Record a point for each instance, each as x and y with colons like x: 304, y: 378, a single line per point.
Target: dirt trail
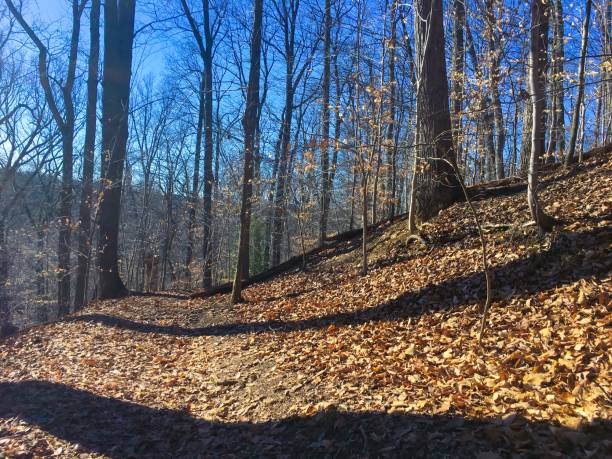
x: 326, y: 363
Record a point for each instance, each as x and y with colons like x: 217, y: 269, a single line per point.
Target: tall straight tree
x: 249, y: 124
x: 537, y: 73
x: 439, y: 185
x: 84, y: 253
x: 390, y: 143
x: 205, y: 42
x: 571, y: 146
x: 493, y: 38
x: 326, y: 174
x: 556, y: 142
x: 117, y: 72
x: 195, y: 187
x: 458, y: 75
x: 66, y: 124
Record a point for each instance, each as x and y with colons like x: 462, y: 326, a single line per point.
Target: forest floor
x: 321, y: 362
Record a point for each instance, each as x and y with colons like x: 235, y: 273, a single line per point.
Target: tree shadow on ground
x: 121, y: 429
x: 567, y: 259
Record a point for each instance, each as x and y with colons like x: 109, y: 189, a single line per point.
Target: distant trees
x: 26, y: 129
x: 118, y: 41
x: 62, y: 108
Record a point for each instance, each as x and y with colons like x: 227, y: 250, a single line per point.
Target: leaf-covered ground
x: 324, y: 363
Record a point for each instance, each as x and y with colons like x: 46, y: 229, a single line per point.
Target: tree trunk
x: 364, y: 223
x: 191, y: 214
x: 391, y: 145
x: 485, y: 121
x: 605, y: 18
x: 65, y: 215
x: 118, y: 40
x: 208, y: 150
x: 278, y: 216
x: 325, y: 179
x: 84, y: 253
x: 5, y: 312
x: 494, y: 77
x: 205, y: 47
x: 571, y: 147
x: 527, y: 121
x: 537, y: 66
x: 440, y: 187
x: 556, y: 144
x: 281, y: 176
x: 458, y: 71
x: 249, y: 123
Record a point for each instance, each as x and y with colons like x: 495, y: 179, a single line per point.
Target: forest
x: 305, y: 228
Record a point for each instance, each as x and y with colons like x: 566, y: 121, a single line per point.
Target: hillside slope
x: 325, y: 363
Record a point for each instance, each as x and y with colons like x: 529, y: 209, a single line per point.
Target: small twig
x: 483, y: 244
x: 417, y: 238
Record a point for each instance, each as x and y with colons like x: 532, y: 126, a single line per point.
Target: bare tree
x: 66, y: 124
x: 249, y: 124
x: 495, y: 44
x: 118, y: 40
x: 392, y: 126
x: 537, y: 70
x: 84, y: 253
x: 325, y: 170
x: 458, y: 74
x: 556, y: 142
x: 571, y: 146
x: 205, y: 41
x: 439, y: 186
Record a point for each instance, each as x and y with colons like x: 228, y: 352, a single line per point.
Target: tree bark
x: 391, y: 145
x: 571, y: 147
x: 325, y: 179
x: 527, y: 121
x: 458, y: 72
x: 5, y: 312
x: 537, y: 70
x: 205, y: 46
x: 556, y: 143
x: 191, y: 214
x: 249, y: 123
x: 288, y: 18
x: 84, y: 253
x: 439, y: 187
x: 118, y: 40
x: 494, y: 77
x: 208, y: 154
